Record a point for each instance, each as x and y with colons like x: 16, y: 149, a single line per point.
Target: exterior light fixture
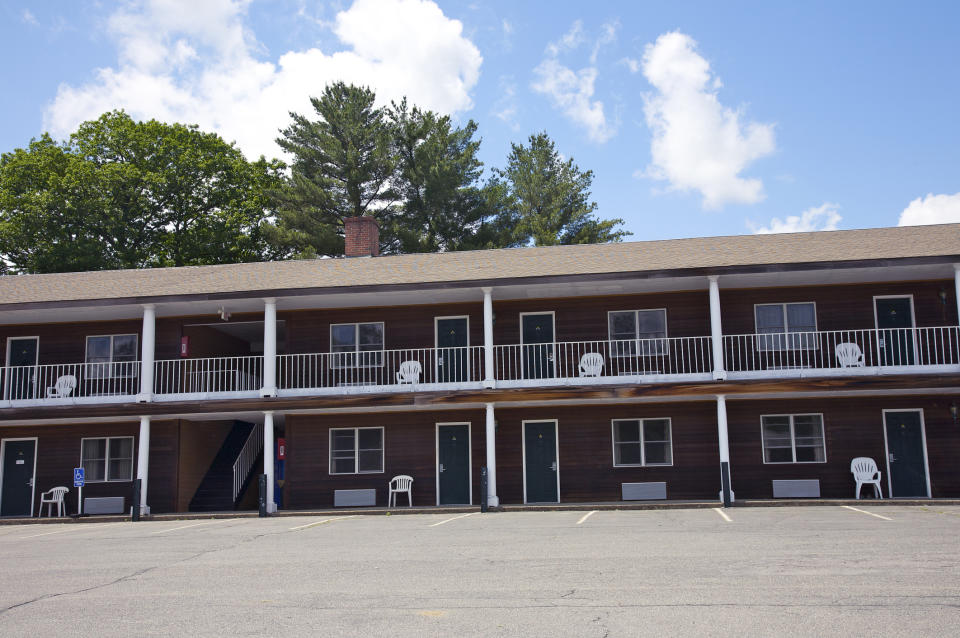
x: 943, y: 296
x: 224, y: 315
x: 955, y: 413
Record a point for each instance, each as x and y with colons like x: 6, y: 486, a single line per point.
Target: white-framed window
x: 111, y: 356
x: 793, y: 438
x: 641, y: 442
x: 628, y: 328
x: 356, y: 345
x: 786, y: 326
x: 356, y: 450
x: 106, y: 459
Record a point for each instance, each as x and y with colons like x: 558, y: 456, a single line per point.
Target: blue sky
x: 697, y: 118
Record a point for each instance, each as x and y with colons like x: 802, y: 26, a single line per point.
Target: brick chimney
x: 361, y: 236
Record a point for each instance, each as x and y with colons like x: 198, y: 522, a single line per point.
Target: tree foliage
x: 342, y: 166
x: 127, y: 194
x: 550, y: 198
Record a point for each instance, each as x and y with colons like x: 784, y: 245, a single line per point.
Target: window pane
x: 627, y: 454
x: 657, y: 453
x: 120, y: 470
x: 125, y: 348
x: 371, y: 336
x: 626, y: 431
x: 656, y: 430
x: 343, y: 441
x: 370, y: 438
x: 370, y: 461
x: 801, y: 317
x: 777, y: 445
x: 814, y: 454
x: 94, y: 449
x: 770, y: 319
x: 808, y: 425
x: 343, y: 338
x: 342, y: 466
x: 652, y: 323
x: 778, y: 455
x: 121, y: 448
x: 93, y: 470
x: 623, y: 325
x: 98, y: 349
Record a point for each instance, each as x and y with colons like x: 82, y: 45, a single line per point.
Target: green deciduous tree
x: 342, y: 166
x: 550, y: 198
x: 127, y: 194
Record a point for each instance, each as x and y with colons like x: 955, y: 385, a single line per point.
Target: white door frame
x: 913, y: 324
x: 553, y: 329
x: 436, y: 450
x: 886, y: 449
x: 36, y: 361
x: 436, y: 345
x: 33, y: 480
x: 556, y: 441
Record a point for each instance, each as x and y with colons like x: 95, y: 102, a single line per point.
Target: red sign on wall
x: 184, y: 347
x: 281, y: 449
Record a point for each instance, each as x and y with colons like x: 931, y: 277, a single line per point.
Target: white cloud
x: 632, y: 64
x: 932, y: 209
x: 507, y: 27
x: 505, y: 108
x: 189, y: 61
x: 572, y: 91
x: 824, y: 217
x: 698, y: 143
x: 28, y: 18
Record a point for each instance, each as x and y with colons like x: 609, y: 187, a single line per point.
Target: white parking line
x: 722, y: 514
x: 452, y: 519
x: 586, y: 516
x: 866, y: 512
x: 173, y: 529
x: 71, y: 527
x: 326, y: 520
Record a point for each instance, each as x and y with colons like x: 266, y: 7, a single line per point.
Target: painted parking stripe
x: 70, y: 528
x: 586, y: 516
x: 452, y: 519
x: 866, y: 512
x: 326, y: 520
x: 173, y: 529
x: 722, y: 514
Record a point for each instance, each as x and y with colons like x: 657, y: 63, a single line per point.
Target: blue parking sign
x: 78, y: 477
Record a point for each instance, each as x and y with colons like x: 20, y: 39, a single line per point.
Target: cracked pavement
x: 800, y: 570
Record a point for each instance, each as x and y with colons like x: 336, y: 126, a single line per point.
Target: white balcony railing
x: 628, y: 358
x: 70, y: 380
x: 848, y: 350
x: 210, y: 375
x: 400, y: 368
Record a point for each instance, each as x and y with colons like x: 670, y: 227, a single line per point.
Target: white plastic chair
x: 52, y: 497
x: 865, y: 472
x: 398, y: 485
x: 409, y: 372
x: 849, y: 355
x: 591, y: 364
x: 63, y: 387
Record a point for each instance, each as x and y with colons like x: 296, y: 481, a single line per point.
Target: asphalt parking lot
x: 799, y: 571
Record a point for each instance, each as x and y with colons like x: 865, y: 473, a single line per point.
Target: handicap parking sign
x: 78, y: 478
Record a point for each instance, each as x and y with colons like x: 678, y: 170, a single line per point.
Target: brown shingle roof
x: 485, y: 265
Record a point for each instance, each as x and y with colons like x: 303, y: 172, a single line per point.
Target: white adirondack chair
x: 52, y: 497
x: 409, y: 372
x: 865, y: 472
x: 63, y: 387
x: 591, y: 364
x: 849, y: 355
x: 399, y: 485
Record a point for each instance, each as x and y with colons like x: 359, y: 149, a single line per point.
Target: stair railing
x: 247, y: 457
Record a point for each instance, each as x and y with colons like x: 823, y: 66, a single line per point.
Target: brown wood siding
x: 852, y: 427
x: 409, y: 448
x: 67, y: 342
x: 840, y: 307
x: 58, y: 452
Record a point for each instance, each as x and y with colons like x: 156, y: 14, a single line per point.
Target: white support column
x: 724, y: 450
x: 492, y: 499
x: 268, y: 459
x: 269, y: 348
x: 488, y: 377
x: 143, y: 462
x: 956, y: 285
x: 147, y: 349
x: 716, y: 331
